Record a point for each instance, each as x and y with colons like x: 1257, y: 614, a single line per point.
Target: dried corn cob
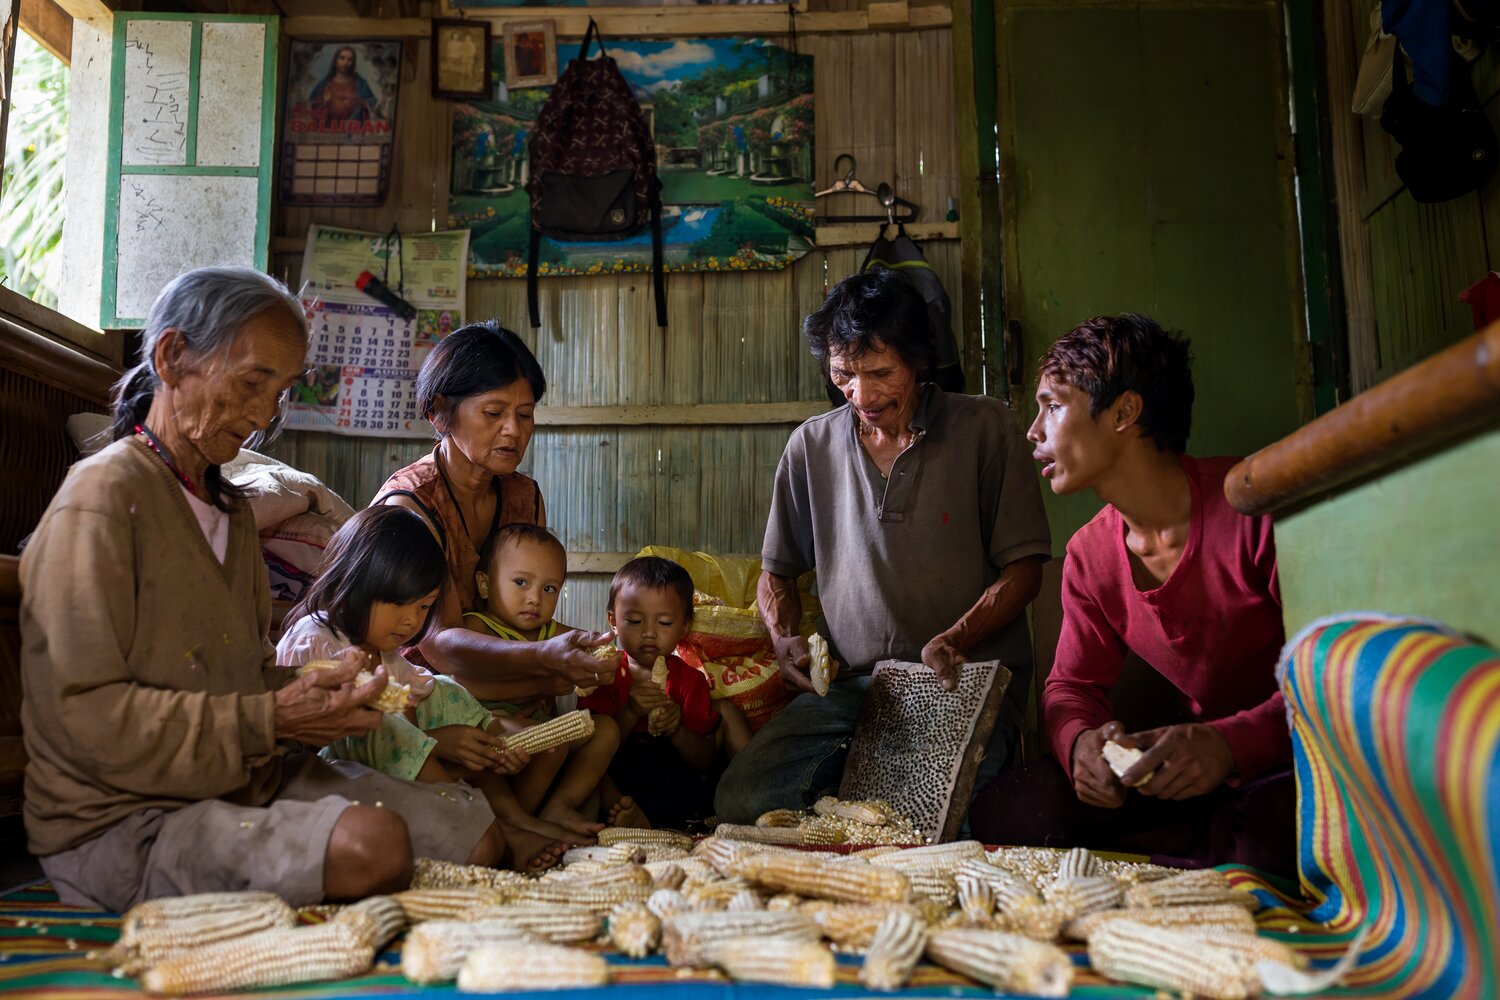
x: 435, y: 951
x: 786, y: 961
x: 557, y: 923
x: 976, y: 899
x: 1121, y: 759
x: 852, y: 925
x: 1083, y: 894
x: 377, y: 920
x: 172, y: 909
x: 933, y: 857
x: 631, y: 853
x: 1079, y: 862
x: 695, y: 868
x: 1251, y: 947
x: 601, y: 898
x: 686, y: 937
x: 779, y: 817
x: 656, y: 718
x: 667, y: 903
x: 1170, y: 960
x: 723, y: 854
x: 1006, y: 962
x: 714, y: 895
x: 810, y: 876
x: 645, y: 836
x: 666, y: 874
x: 1129, y: 873
x: 395, y: 697
x: 798, y: 836
x: 154, y: 935
x: 527, y: 966
x: 784, y: 901
x: 938, y: 885
x: 275, y: 957
x: 745, y: 899
x: 575, y: 872
x: 868, y: 813
x: 566, y: 728
x: 634, y: 929
x: 1225, y: 918
x: 1040, y: 921
x: 819, y: 666
x: 894, y: 951
x: 871, y: 852
x: 1205, y: 887
x: 449, y: 904
x: 429, y: 873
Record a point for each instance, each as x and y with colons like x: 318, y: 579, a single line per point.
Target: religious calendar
x: 363, y: 358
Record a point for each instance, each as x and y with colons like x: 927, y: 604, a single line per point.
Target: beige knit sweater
x: 144, y: 662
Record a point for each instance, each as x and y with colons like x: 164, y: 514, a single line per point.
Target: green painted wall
x: 1149, y: 160
x: 1420, y: 539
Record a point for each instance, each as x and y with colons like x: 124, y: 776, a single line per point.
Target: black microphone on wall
x: 386, y: 295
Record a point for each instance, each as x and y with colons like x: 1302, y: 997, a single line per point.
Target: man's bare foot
x: 569, y: 819
x: 626, y: 813
x: 528, y: 851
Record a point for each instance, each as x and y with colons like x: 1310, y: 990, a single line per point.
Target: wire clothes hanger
x: 884, y: 193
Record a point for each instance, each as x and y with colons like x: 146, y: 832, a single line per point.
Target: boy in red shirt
x: 1169, y: 571
x: 667, y: 758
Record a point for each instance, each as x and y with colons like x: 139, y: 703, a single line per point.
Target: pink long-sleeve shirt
x: 1213, y: 628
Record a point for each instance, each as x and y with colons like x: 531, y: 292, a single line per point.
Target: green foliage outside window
x: 31, y: 194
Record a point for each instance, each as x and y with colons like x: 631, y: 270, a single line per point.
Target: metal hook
x: 849, y: 174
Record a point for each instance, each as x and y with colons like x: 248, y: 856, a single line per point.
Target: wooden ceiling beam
x: 94, y: 12
x: 51, y: 26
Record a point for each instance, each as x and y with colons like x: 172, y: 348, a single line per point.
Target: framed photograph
x: 530, y: 54
x: 460, y: 59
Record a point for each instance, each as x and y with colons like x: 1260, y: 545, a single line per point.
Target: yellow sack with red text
x: 728, y: 641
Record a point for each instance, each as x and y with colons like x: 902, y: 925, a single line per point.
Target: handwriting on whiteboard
x: 161, y: 99
x: 148, y: 211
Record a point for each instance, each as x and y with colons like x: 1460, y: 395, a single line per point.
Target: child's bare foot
x: 556, y: 831
x: 528, y: 851
x: 626, y: 813
x: 569, y: 819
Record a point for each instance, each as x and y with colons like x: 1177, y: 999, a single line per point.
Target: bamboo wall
x: 1404, y: 263
x: 885, y: 98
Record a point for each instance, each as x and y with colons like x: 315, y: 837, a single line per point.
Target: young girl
x: 378, y: 581
x: 667, y: 759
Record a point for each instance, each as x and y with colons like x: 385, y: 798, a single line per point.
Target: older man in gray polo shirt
x: 921, y: 513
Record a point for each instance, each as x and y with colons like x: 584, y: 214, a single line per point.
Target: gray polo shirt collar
x: 893, y: 495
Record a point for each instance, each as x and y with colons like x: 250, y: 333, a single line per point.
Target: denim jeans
x: 798, y: 757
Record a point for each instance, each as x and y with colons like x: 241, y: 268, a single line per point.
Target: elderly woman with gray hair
x: 167, y: 752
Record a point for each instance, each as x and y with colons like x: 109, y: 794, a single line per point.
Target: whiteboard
x: 204, y: 220
x: 189, y: 152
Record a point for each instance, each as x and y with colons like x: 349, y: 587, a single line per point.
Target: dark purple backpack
x: 593, y: 167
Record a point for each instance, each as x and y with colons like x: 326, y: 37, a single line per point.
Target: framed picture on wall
x: 530, y: 54
x: 460, y: 59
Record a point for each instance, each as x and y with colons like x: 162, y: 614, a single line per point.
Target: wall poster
x: 340, y: 122
x: 733, y: 124
x: 363, y: 358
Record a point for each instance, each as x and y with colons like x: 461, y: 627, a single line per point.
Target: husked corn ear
x: 779, y: 817
x: 786, y: 961
x: 745, y: 899
x: 894, y: 951
x: 872, y: 852
x: 634, y: 929
x: 435, y: 951
x: 1039, y: 921
x: 144, y: 942
x: 666, y: 874
x: 508, y: 966
x: 975, y: 899
x: 570, y: 726
x: 1081, y: 894
x: 659, y: 675
x: 448, y: 904
x: 714, y: 895
x: 1121, y: 759
x: 933, y: 857
x: 574, y: 872
x: 668, y: 902
x: 430, y: 873
x: 170, y: 909
x: 600, y: 898
x: 694, y: 868
x: 853, y: 924
x: 868, y: 813
x: 784, y: 901
x: 377, y: 920
x: 819, y: 665
x: 1251, y: 947
x: 1205, y: 887
x: 1223, y: 918
x: 723, y: 854
x: 998, y: 879
x: 807, y: 875
x: 1080, y: 862
x: 604, y: 855
x: 1129, y: 873
x: 796, y: 836
x: 395, y: 697
x: 686, y: 937
x: 646, y: 836
x: 276, y: 957
x: 557, y: 923
x: 1170, y: 960
x: 1007, y: 962
x: 938, y: 885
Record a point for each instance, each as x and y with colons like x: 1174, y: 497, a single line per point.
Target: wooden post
x: 9, y: 25
x: 86, y: 170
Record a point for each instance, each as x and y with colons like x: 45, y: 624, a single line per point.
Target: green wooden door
x: 1147, y: 167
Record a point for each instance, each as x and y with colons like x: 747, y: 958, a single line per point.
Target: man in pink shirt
x: 1168, y: 571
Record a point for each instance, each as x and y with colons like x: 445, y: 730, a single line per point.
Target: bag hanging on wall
x: 901, y: 253
x: 1445, y: 152
x: 593, y: 167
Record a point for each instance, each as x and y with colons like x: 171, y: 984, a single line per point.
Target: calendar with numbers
x: 363, y: 358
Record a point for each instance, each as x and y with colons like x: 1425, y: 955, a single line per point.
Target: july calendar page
x: 363, y: 358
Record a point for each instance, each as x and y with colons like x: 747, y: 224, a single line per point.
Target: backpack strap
x: 593, y: 34
x: 533, y: 259
x: 427, y: 512
x: 658, y: 274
